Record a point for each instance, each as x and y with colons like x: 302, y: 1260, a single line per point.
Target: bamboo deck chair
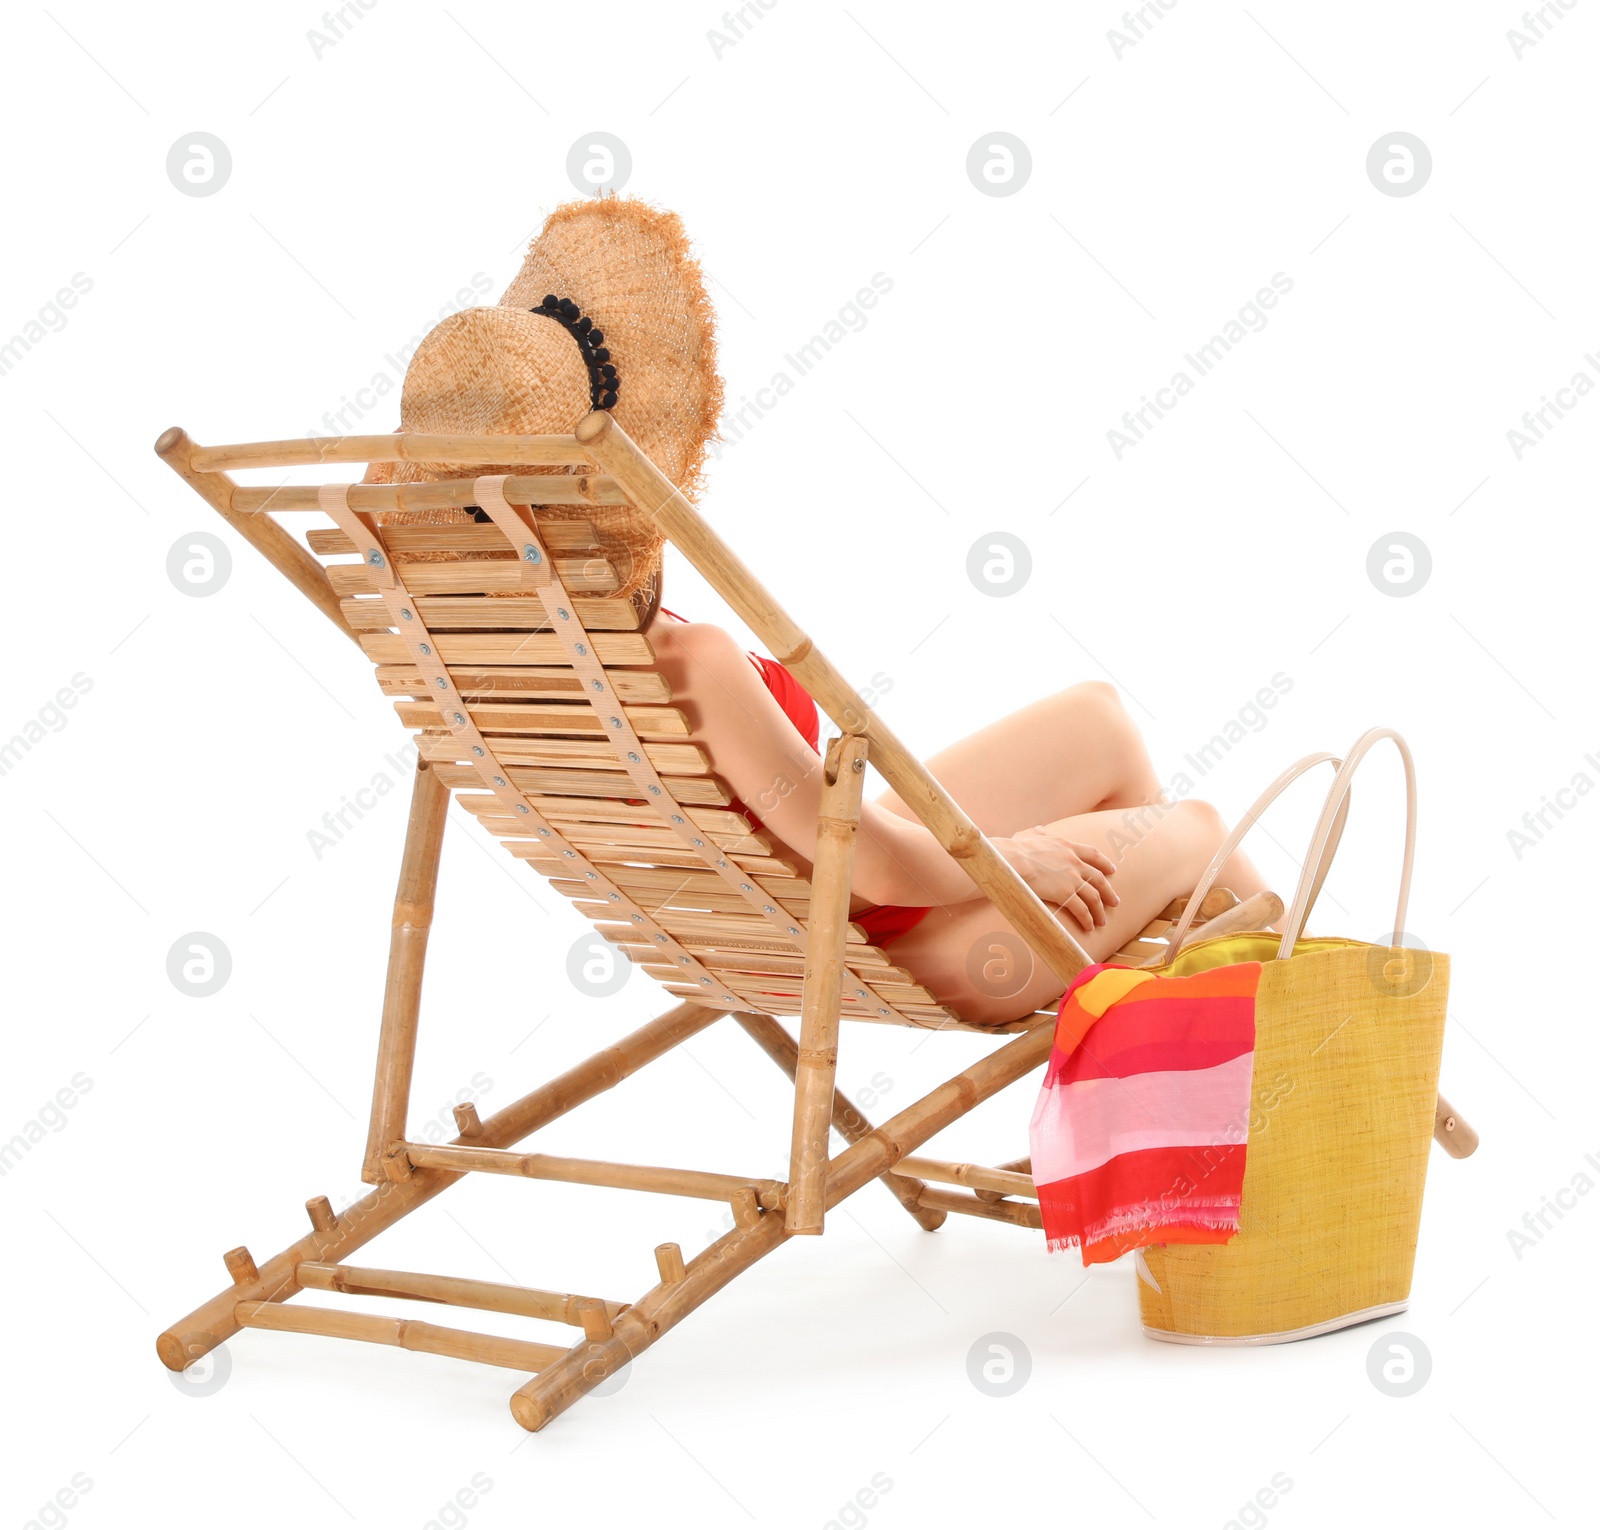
x: 532, y: 709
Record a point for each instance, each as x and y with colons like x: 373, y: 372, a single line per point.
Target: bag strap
x: 1325, y: 838
x: 1238, y: 832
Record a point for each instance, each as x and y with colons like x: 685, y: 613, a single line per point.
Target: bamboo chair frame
x: 839, y: 977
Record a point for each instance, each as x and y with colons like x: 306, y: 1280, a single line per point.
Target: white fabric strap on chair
x: 407, y: 619
x: 574, y: 637
x: 1237, y: 834
x: 545, y: 583
x: 569, y: 629
x: 1325, y: 838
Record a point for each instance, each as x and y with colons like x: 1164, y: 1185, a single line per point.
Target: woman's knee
x: 1099, y: 698
x: 1205, y: 818
x: 1097, y: 716
x: 1201, y: 829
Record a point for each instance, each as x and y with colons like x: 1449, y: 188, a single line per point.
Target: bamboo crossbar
x: 263, y: 533
x: 313, y: 451
x: 1452, y: 1131
x: 1022, y: 1165
x: 1018, y: 1213
x: 213, y: 1321
x: 452, y: 1290
x: 783, y: 1049
x: 696, y: 1184
x: 970, y: 1175
x: 651, y: 491
x: 441, y: 494
x: 1256, y: 912
x: 667, y: 1304
x: 403, y: 1333
x: 900, y: 1135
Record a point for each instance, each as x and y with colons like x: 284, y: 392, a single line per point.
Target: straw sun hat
x: 609, y: 311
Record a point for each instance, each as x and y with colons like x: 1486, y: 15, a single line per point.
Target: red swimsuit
x: 886, y: 921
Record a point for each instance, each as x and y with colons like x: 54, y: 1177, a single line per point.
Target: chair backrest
x: 527, y: 680
x: 679, y: 879
x: 505, y: 680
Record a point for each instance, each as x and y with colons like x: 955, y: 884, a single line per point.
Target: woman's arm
x: 756, y: 749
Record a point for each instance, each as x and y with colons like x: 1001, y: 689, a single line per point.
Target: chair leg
x: 844, y: 771
x: 586, y: 1365
x: 850, y: 1124
x: 333, y: 1237
x: 408, y: 950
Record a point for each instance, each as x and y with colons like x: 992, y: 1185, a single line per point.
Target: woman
x: 1064, y: 789
x: 610, y: 312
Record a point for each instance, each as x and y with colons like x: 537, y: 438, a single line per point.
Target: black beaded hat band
x: 603, y: 381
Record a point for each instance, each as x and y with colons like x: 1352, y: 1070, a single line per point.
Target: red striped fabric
x: 1138, y: 1135
x: 1135, y: 1038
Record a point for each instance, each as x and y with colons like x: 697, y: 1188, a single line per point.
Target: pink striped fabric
x: 1138, y: 1133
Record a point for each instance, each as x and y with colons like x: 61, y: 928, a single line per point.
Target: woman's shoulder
x: 670, y: 627
x: 704, y: 641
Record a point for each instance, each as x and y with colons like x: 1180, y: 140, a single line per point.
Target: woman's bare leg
x: 1067, y: 754
x: 971, y: 958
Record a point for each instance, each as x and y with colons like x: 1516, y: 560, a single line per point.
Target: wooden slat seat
x: 532, y: 709
x: 508, y: 666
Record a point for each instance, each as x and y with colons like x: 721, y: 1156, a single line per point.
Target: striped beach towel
x: 1138, y: 1135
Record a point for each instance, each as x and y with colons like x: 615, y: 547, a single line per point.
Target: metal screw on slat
x: 561, y: 611
x: 423, y: 648
x: 861, y: 993
x: 723, y: 864
x: 615, y: 897
x: 375, y: 558
x: 882, y: 1010
x: 767, y: 908
x: 743, y: 886
x: 531, y: 553
x: 544, y: 834
x: 499, y: 780
x: 571, y: 855
x: 522, y: 807
x: 477, y: 750
x: 693, y: 841
x: 461, y: 721
x: 706, y: 982
x: 655, y: 791
x: 597, y: 685
x: 632, y: 756
x: 683, y: 960
x: 637, y: 918
x: 441, y: 682
x: 793, y: 930
x: 616, y: 722
x: 405, y: 613
x: 661, y: 939
x: 677, y: 817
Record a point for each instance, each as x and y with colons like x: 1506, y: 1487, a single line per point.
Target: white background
x: 369, y: 184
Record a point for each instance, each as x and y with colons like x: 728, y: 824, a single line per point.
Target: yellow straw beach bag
x: 1348, y: 1038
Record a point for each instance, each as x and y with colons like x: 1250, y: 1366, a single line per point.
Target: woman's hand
x: 1075, y: 879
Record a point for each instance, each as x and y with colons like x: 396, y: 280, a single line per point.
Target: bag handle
x: 1238, y: 832
x: 1330, y: 826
